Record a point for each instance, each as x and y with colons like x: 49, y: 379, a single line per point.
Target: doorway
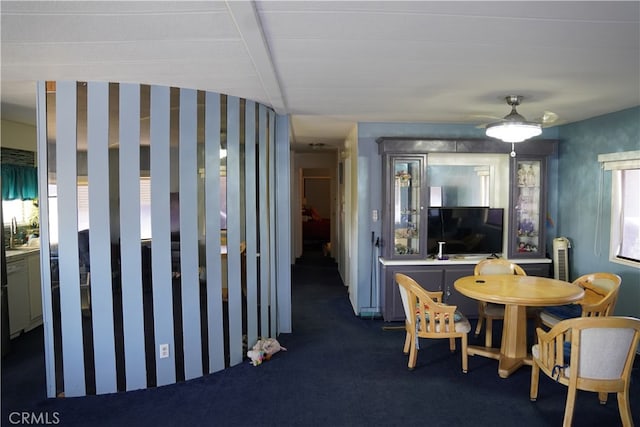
x: 316, y: 211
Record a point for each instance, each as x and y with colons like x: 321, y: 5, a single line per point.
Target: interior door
x: 316, y: 223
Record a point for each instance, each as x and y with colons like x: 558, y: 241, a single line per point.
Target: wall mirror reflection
x: 457, y: 180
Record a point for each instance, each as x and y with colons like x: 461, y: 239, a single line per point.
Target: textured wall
x: 582, y: 186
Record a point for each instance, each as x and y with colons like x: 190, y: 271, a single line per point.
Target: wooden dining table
x: 516, y: 293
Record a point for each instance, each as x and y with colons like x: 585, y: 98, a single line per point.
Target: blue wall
x: 579, y: 181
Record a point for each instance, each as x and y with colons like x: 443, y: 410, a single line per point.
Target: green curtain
x: 19, y: 182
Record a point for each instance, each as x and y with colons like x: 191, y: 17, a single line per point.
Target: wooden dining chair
x: 600, y: 296
x: 597, y: 357
x: 488, y: 312
x: 427, y: 317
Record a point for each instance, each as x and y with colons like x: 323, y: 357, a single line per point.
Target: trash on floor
x: 263, y: 350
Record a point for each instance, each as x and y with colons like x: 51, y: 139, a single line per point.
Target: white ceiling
x: 335, y: 63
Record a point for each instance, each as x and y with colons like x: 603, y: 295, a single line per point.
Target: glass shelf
x: 407, y: 190
x: 528, y: 211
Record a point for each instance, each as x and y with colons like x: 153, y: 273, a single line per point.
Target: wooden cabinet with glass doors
x: 528, y: 212
x: 404, y: 235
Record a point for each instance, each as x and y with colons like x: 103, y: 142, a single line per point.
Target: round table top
x: 519, y: 290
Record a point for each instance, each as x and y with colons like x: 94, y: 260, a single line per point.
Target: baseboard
x: 370, y: 313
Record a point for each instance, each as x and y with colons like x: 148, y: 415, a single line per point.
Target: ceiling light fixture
x: 514, y: 127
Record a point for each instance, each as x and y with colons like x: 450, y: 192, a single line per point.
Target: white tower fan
x: 561, y: 246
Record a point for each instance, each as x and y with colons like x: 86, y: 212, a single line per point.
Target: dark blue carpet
x: 339, y: 370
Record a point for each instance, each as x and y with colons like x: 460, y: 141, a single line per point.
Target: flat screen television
x: 465, y: 230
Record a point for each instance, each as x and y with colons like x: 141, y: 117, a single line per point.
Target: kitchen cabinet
x: 35, y: 289
x: 18, y: 295
x: 24, y: 291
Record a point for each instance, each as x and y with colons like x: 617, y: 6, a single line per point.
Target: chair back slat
x: 558, y: 352
x: 404, y: 296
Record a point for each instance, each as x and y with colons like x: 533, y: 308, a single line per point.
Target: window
x: 624, y: 246
x: 24, y: 211
x: 625, y: 215
x: 145, y: 208
x: 83, y: 209
x: 20, y: 221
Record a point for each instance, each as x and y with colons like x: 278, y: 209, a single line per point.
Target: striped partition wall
x: 251, y: 227
x: 212, y: 204
x: 100, y: 242
x: 130, y: 254
x: 71, y: 322
x: 161, y: 257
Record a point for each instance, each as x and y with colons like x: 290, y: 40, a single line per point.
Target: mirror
x: 468, y: 179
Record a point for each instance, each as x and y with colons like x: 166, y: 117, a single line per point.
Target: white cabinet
x: 35, y: 289
x: 18, y: 295
x: 24, y: 291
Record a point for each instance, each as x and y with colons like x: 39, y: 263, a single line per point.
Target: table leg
x: 513, y: 350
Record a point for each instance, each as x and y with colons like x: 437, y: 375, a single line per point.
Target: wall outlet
x: 164, y: 351
x: 374, y: 215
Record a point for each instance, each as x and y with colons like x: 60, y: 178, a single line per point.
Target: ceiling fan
x: 514, y: 127
x: 547, y: 118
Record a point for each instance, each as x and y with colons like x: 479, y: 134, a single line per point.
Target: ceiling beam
x: 247, y: 21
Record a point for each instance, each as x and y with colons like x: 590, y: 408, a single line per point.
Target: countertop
x: 473, y: 259
x: 20, y: 251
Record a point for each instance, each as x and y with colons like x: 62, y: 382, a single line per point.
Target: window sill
x: 626, y: 262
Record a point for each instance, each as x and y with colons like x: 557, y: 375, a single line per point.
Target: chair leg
x: 480, y: 320
x: 568, y: 409
x: 407, y: 343
x: 413, y: 353
x: 535, y: 378
x: 623, y: 406
x: 452, y: 344
x: 479, y: 326
x: 465, y: 358
x: 602, y: 397
x: 488, y: 337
